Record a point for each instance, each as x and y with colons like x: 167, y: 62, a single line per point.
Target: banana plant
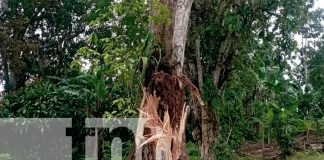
x: 265, y: 122
x: 309, y: 125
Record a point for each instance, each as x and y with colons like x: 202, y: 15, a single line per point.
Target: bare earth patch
x: 269, y: 151
x: 314, y: 142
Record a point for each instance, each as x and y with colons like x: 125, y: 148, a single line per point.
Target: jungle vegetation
x: 229, y: 78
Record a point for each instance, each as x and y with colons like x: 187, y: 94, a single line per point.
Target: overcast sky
x: 319, y: 4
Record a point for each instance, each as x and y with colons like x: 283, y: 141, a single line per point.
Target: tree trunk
x: 164, y: 97
x: 172, y: 37
x: 6, y: 77
x: 207, y: 136
x: 199, y: 65
x: 180, y: 31
x: 209, y: 122
x: 3, y: 6
x: 4, y: 50
x: 205, y: 13
x: 209, y: 133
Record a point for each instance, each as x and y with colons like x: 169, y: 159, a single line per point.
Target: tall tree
x: 164, y: 97
x: 220, y: 32
x: 41, y: 38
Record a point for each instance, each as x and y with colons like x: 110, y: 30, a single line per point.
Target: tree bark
x: 199, y: 65
x: 209, y: 132
x: 180, y: 31
x: 205, y: 13
x: 206, y: 138
x: 172, y: 37
x: 164, y: 97
x: 3, y: 6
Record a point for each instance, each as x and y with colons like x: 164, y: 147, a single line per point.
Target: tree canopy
x: 257, y: 65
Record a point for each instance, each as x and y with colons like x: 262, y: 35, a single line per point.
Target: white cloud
x: 319, y: 4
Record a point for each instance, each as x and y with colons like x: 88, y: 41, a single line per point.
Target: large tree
x: 163, y: 95
x: 40, y: 38
x: 223, y: 31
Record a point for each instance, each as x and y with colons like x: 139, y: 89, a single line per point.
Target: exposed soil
x: 269, y: 151
x: 315, y: 142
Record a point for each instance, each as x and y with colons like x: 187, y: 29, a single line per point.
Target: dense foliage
x: 88, y: 58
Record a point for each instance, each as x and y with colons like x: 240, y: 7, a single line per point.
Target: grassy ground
x: 307, y: 156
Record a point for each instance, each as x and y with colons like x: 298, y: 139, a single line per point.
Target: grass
x: 5, y: 157
x: 307, y: 155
